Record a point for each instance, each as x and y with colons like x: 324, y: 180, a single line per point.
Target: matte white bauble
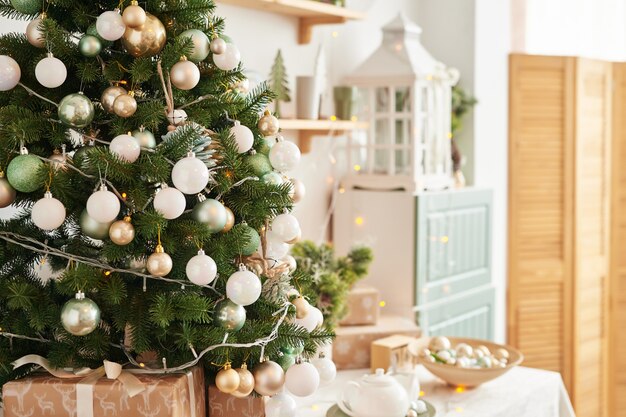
x: 10, y: 73
x: 286, y: 226
x: 126, y: 147
x: 285, y: 156
x: 201, y: 269
x: 190, y: 175
x: 302, y: 379
x: 281, y: 405
x: 51, y: 72
x: 103, y: 206
x: 243, y: 136
x: 326, y: 368
x: 228, y: 60
x: 110, y: 25
x: 170, y: 202
x: 185, y: 75
x: 243, y: 288
x: 312, y: 320
x: 177, y: 117
x: 275, y: 247
x: 48, y: 213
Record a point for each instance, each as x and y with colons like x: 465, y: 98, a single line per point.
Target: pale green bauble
x: 293, y: 351
x: 229, y: 316
x: 254, y: 240
x: 90, y: 46
x: 146, y: 138
x: 260, y: 164
x: 23, y: 173
x: 212, y: 213
x: 76, y: 110
x: 200, y: 44
x: 273, y: 178
x: 91, y: 30
x: 93, y: 228
x: 27, y: 6
x: 286, y: 361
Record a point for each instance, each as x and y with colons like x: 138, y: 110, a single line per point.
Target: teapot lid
x: 379, y: 378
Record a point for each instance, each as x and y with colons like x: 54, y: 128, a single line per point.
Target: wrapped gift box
x: 392, y: 352
x: 352, y: 346
x: 173, y: 395
x: 225, y: 405
x: 363, y: 307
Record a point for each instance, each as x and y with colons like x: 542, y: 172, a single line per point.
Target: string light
x: 354, y: 118
x: 335, y: 34
x: 358, y: 221
x: 357, y: 167
x: 342, y: 190
x: 422, y: 393
x: 333, y: 118
x: 444, y: 239
x: 458, y: 409
x: 382, y: 304
x: 460, y: 389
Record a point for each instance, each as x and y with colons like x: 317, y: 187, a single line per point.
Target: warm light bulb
x: 458, y: 409
x: 382, y: 304
x: 354, y: 118
x: 107, y: 273
x: 357, y: 168
x: 124, y: 196
x: 335, y: 34
x: 333, y: 118
x: 358, y: 221
x: 444, y: 239
x: 460, y: 389
x: 342, y: 190
x: 449, y: 135
x: 422, y: 393
x: 315, y: 407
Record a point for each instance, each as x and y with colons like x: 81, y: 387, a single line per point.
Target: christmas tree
x: 278, y: 82
x: 125, y: 138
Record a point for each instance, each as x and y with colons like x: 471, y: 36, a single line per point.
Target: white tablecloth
x: 522, y: 392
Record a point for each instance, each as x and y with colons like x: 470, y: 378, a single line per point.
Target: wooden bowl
x: 466, y: 377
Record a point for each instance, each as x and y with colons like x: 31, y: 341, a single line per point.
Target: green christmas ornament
x: 200, y: 44
x: 90, y: 46
x: 145, y: 137
x: 212, y: 213
x: 80, y: 316
x: 26, y: 6
x: 93, y: 228
x: 23, y: 173
x: 286, y: 361
x: 293, y: 351
x: 254, y: 240
x: 273, y: 178
x: 260, y: 164
x: 76, y: 110
x: 266, y: 145
x: 91, y: 30
x: 229, y: 316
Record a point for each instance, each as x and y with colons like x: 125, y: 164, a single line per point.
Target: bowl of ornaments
x: 465, y: 362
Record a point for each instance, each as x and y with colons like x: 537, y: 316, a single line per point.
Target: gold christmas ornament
x: 302, y: 307
x: 125, y: 105
x: 227, y: 380
x: 109, y: 95
x: 269, y: 378
x: 33, y: 33
x: 145, y: 40
x: 230, y: 220
x: 134, y: 16
x: 159, y: 263
x: 246, y: 382
x: 122, y: 232
x: 298, y: 190
x: 7, y: 192
x: 268, y: 124
x: 185, y: 75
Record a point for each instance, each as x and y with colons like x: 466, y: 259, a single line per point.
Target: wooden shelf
x: 310, y: 13
x: 308, y: 128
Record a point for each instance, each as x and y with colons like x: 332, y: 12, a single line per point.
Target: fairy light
x: 422, y: 393
x: 449, y: 135
x: 460, y: 389
x: 315, y: 407
x: 359, y: 221
x: 342, y: 190
x: 333, y: 118
x: 382, y: 304
x: 124, y: 195
x: 335, y: 34
x: 107, y: 273
x: 444, y: 239
x: 459, y: 409
x: 357, y: 167
x: 354, y: 118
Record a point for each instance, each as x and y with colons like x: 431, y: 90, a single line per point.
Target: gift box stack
x: 364, y: 324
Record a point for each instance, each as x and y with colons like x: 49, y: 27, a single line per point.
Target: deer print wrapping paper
x: 225, y: 405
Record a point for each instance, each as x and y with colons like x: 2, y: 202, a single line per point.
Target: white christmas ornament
x: 201, y: 269
x: 103, y: 206
x: 286, y: 226
x: 10, y: 73
x: 326, y: 368
x: 243, y: 136
x: 190, y: 175
x: 302, y: 379
x: 229, y: 60
x: 284, y: 155
x: 126, y: 147
x: 312, y: 320
x: 275, y: 247
x: 177, y: 117
x: 110, y: 25
x: 170, y: 202
x: 50, y: 72
x: 243, y: 287
x: 281, y: 405
x: 48, y: 213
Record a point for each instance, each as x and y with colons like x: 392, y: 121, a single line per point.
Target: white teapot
x: 376, y: 395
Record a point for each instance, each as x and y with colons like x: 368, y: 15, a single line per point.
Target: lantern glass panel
x: 363, y: 110
x: 382, y: 99
x: 403, y: 99
x: 382, y: 148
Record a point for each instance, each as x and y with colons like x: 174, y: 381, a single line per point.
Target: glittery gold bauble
x: 134, y: 16
x: 7, y: 193
x: 268, y: 124
x: 109, y: 95
x: 122, y: 232
x: 269, y: 378
x: 125, y: 105
x: 227, y: 380
x: 298, y: 190
x: 230, y: 220
x: 145, y: 40
x: 302, y: 307
x: 159, y: 263
x: 246, y: 382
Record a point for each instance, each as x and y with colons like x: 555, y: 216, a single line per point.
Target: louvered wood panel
x: 540, y: 209
x: 591, y: 258
x: 618, y: 246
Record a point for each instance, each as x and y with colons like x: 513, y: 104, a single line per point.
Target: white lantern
x: 405, y: 94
